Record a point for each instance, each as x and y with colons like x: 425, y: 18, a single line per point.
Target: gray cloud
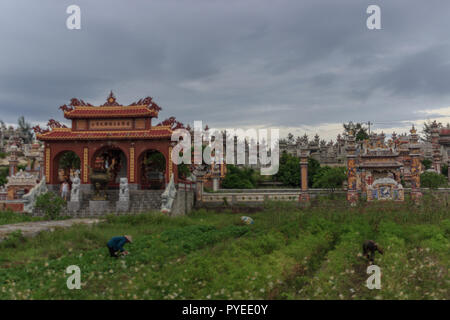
x: 254, y: 62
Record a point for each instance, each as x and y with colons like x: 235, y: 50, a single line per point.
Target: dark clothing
x: 112, y: 253
x: 116, y: 243
x: 369, y: 248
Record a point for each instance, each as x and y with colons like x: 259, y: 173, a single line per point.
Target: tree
x: 4, y: 171
x: 433, y: 180
x: 156, y: 160
x: 51, y: 204
x: 427, y: 127
x: 444, y: 169
x: 183, y: 171
x: 69, y: 160
x: 290, y: 138
x: 426, y: 130
x: 427, y: 163
x: 360, y: 131
x: 313, y: 170
x: 25, y: 130
x: 289, y: 170
x: 330, y: 178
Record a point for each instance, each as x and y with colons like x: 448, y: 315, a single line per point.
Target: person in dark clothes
x: 369, y: 248
x: 115, y: 245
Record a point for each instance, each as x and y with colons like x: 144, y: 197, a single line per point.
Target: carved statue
x: 124, y: 191
x: 168, y: 196
x: 76, y: 182
x: 30, y: 197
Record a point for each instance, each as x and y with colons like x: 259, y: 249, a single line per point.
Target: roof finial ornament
x: 111, y: 100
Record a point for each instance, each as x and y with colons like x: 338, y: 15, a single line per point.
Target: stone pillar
x: 363, y: 183
x: 171, y: 164
x: 304, y: 193
x: 448, y: 169
x: 398, y: 177
x: 215, y: 180
x: 13, y: 161
x: 352, y: 192
x: 414, y: 153
x: 40, y: 160
x: 436, y: 147
x: 199, y: 189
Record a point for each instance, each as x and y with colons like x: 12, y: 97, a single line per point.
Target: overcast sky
x: 304, y: 66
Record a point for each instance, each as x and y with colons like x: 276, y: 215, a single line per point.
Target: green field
x: 288, y: 253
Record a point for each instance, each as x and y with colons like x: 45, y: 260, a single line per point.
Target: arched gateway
x: 109, y: 135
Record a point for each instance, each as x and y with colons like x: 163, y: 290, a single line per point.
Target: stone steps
x: 140, y: 201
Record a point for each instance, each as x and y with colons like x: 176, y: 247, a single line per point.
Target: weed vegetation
x: 288, y: 253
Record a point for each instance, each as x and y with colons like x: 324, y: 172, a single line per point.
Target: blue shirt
x: 117, y: 243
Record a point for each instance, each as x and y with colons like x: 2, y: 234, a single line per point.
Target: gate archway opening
x: 110, y: 160
x: 152, y: 165
x: 64, y: 166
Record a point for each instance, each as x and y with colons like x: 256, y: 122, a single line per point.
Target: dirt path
x: 31, y: 229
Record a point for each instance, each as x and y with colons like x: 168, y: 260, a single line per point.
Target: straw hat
x: 129, y: 238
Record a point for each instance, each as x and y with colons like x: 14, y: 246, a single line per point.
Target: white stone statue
x: 124, y: 191
x: 76, y: 184
x: 168, y: 196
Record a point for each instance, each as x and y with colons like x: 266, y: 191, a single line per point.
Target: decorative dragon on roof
x: 172, y: 122
x: 51, y: 124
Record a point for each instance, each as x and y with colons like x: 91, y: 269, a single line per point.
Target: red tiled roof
x: 110, y: 112
x: 68, y: 134
x: 444, y: 132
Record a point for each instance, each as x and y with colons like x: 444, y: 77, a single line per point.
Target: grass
x: 9, y: 217
x: 289, y: 253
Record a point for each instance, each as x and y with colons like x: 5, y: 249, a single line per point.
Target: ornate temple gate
x: 110, y: 135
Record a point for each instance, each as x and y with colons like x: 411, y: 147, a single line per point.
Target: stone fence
x: 258, y: 196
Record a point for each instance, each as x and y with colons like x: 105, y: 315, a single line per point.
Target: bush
x: 51, y: 204
x: 330, y: 178
x: 9, y: 217
x: 13, y: 240
x: 433, y: 180
x: 183, y: 171
x: 239, y: 178
x: 427, y: 163
x: 4, y: 171
x: 289, y: 170
x: 444, y: 169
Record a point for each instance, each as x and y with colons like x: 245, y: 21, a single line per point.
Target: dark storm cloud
x: 229, y: 63
x: 426, y: 73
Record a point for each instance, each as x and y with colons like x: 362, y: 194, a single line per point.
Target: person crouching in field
x: 369, y: 248
x: 115, y: 245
